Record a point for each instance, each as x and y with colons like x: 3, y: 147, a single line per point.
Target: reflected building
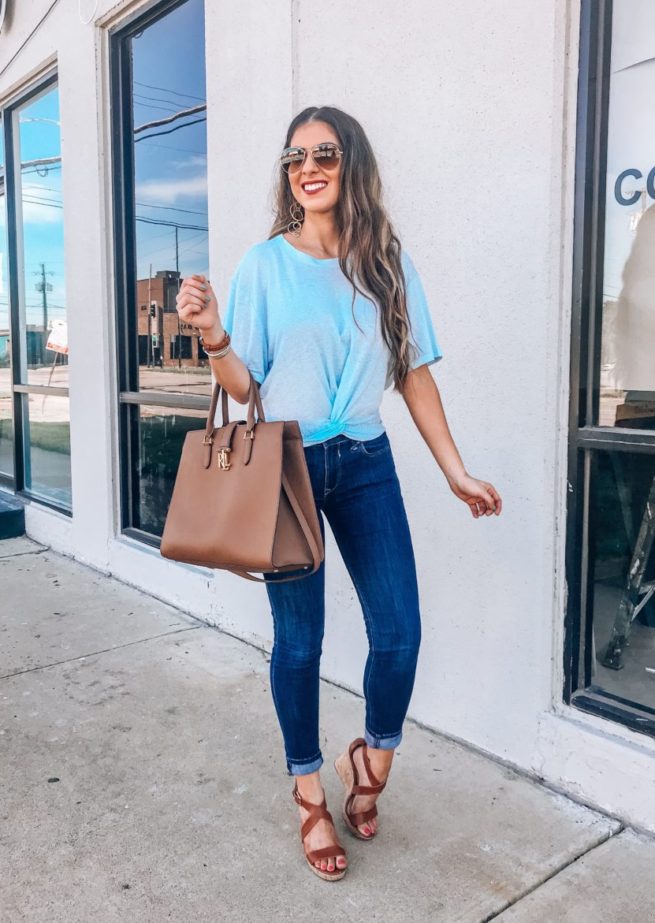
x: 163, y: 340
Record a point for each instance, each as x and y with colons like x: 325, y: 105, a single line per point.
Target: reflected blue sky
x: 169, y: 87
x: 42, y: 207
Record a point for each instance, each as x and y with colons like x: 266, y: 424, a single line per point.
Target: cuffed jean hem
x: 303, y: 769
x: 382, y: 743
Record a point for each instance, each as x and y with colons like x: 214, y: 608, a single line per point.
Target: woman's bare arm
x: 424, y: 404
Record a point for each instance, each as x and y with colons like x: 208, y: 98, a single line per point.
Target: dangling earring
x: 297, y: 216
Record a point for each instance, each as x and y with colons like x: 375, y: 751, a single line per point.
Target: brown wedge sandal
x: 347, y: 772
x: 316, y: 813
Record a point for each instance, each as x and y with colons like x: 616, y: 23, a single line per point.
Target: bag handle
x: 254, y: 400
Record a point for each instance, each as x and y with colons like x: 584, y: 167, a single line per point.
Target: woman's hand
x: 482, y: 497
x: 197, y: 305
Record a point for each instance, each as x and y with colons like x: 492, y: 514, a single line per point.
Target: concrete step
x: 12, y: 516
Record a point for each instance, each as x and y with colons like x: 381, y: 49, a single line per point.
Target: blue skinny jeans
x: 356, y: 487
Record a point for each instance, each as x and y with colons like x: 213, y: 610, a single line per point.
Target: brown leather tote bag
x: 242, y: 499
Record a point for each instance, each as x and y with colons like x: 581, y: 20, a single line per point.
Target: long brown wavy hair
x: 369, y: 250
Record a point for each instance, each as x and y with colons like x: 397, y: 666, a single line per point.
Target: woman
x: 325, y: 314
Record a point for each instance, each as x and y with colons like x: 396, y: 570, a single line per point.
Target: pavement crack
x: 555, y: 872
x: 106, y: 650
x: 21, y: 554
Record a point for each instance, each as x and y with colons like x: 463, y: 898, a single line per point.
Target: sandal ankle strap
x: 375, y: 782
x: 376, y: 786
x: 368, y: 789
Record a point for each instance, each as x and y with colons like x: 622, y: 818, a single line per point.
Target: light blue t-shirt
x: 290, y: 320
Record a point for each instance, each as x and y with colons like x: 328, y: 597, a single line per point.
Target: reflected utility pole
x: 44, y: 287
x: 179, y: 327
x: 150, y: 352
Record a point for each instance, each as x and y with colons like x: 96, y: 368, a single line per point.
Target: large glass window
x: 6, y: 416
x: 34, y: 410
x: 611, y: 541
x: 158, y: 87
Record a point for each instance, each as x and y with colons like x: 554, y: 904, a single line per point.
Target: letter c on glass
x: 618, y: 194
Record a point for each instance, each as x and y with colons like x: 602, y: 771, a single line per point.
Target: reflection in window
x: 622, y: 561
x: 47, y: 433
x: 163, y: 231
x: 161, y: 435
x: 622, y: 484
x: 628, y: 327
x: 170, y: 207
x: 41, y: 319
x: 41, y: 217
x: 6, y: 427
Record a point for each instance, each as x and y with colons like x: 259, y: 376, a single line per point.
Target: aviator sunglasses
x: 326, y: 156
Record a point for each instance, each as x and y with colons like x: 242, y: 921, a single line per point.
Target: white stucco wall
x: 470, y: 108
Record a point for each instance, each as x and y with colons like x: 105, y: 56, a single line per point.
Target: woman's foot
x: 323, y: 833
x: 380, y: 761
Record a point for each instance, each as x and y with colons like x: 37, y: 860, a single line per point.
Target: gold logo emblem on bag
x: 223, y: 458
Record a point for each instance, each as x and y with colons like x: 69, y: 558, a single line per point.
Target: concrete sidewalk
x: 143, y: 780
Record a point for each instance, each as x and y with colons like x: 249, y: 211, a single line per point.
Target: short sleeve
x: 423, y: 332
x: 245, y: 320
x: 423, y: 338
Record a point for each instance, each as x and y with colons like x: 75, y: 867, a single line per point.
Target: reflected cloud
x: 38, y: 213
x: 173, y: 189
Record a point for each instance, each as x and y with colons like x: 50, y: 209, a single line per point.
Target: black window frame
x: 585, y: 436
x: 21, y: 389
x: 130, y: 396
